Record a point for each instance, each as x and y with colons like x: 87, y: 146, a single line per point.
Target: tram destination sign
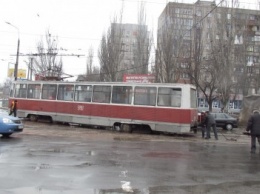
x: 139, y: 78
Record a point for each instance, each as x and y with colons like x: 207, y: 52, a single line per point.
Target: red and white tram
x: 163, y: 107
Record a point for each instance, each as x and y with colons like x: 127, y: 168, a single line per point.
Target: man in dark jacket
x: 253, y: 125
x: 210, y: 122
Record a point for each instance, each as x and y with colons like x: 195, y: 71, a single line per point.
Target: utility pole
x: 17, y: 54
x: 31, y: 65
x: 30, y: 69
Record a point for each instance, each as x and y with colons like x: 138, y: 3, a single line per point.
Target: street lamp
x: 17, y: 54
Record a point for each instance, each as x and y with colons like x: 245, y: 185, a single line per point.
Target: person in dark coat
x: 209, y: 121
x: 253, y: 125
x: 13, y: 108
x: 203, y: 124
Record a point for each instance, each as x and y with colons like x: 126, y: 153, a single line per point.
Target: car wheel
x: 229, y: 126
x: 6, y: 134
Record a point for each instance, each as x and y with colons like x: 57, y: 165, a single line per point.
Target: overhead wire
x: 94, y: 39
x: 183, y: 35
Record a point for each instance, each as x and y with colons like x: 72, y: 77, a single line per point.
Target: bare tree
x: 110, y: 51
x: 171, y: 46
x: 212, y: 67
x: 90, y: 61
x: 202, y: 69
x: 142, y: 48
x: 46, y: 63
x: 222, y: 38
x: 92, y: 72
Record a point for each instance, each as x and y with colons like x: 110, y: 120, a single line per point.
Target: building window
x: 198, y: 13
x: 234, y: 79
x: 183, y: 65
x: 249, y: 60
x: 202, y: 103
x: 257, y: 71
x: 256, y: 38
x: 250, y: 48
x: 228, y: 16
x: 238, y: 39
x: 256, y: 49
x: 252, y: 17
x: 208, y: 36
x: 249, y: 69
x: 256, y: 59
x: 185, y: 75
x: 254, y: 28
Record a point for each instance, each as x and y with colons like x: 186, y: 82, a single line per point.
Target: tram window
x: 83, y: 93
x: 122, y: 94
x: 49, y: 91
x: 169, y: 97
x: 101, y: 94
x: 34, y: 91
x: 65, y: 92
x: 20, y: 90
x: 145, y: 96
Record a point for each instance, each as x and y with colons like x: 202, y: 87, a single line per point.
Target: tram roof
x: 103, y: 83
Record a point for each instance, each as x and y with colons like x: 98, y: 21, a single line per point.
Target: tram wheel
x: 33, y: 118
x: 126, y: 128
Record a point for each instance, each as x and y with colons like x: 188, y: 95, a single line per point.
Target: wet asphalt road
x: 50, y: 159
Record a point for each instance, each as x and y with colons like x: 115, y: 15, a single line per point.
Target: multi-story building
x: 174, y: 43
x: 135, y: 48
x: 237, y: 33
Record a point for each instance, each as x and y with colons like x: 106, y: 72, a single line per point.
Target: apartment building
x: 135, y: 48
x: 237, y: 32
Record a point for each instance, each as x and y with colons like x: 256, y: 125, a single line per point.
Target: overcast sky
x: 78, y: 24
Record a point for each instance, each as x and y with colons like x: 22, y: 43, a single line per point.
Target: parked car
x: 10, y: 125
x: 225, y: 121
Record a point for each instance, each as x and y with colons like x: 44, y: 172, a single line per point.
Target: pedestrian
x: 203, y: 131
x: 210, y: 122
x: 253, y: 125
x: 13, y: 108
x: 203, y: 124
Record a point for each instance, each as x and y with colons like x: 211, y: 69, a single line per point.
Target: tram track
x: 75, y: 131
